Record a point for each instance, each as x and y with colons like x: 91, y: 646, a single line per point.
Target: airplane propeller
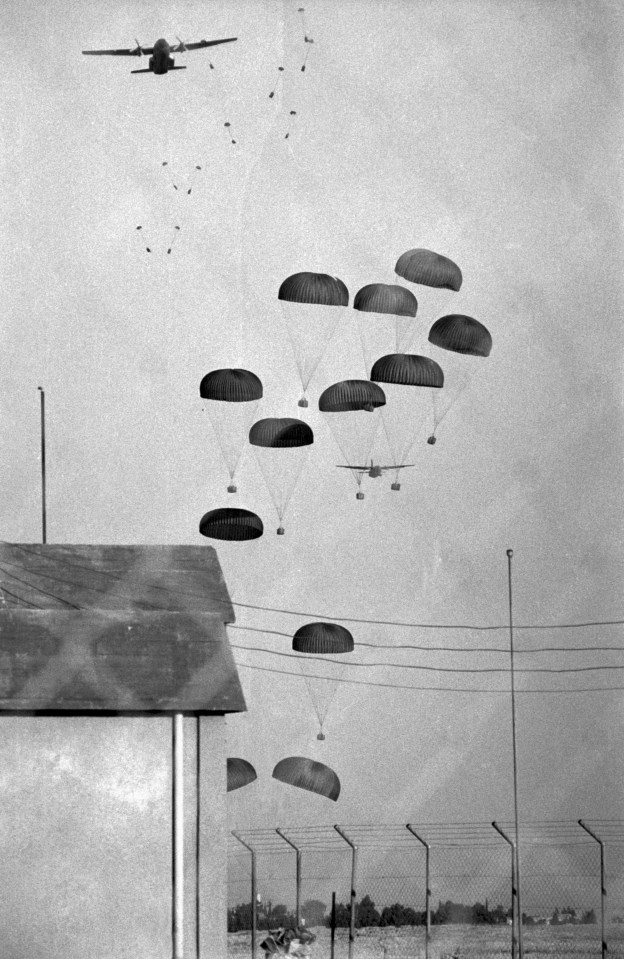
x: 181, y: 48
x: 138, y: 50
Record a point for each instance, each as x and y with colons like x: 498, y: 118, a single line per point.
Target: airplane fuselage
x: 161, y: 60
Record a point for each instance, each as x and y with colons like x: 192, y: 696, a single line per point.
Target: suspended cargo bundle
x: 465, y: 342
x: 407, y: 416
x: 308, y: 774
x: 325, y: 644
x: 281, y: 446
x: 389, y: 321
x: 232, y: 397
x: 239, y: 773
x: 436, y: 277
x: 308, y: 302
x: 231, y: 523
x: 349, y: 409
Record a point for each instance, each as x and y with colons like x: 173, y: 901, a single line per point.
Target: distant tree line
x: 561, y: 917
x: 315, y: 913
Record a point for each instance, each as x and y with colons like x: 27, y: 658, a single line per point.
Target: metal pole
x: 298, y: 874
x: 332, y: 940
x: 197, y: 836
x: 515, y: 755
x: 178, y: 837
x: 43, y: 467
x: 427, y: 889
x: 514, y: 891
x: 254, y: 908
x: 603, y: 887
x: 353, y: 883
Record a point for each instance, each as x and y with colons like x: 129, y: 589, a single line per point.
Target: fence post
x: 603, y: 888
x: 427, y: 889
x: 354, y: 852
x: 333, y: 927
x: 254, y: 911
x: 514, y: 892
x: 298, y: 879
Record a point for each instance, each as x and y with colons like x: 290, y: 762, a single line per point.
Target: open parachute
x: 462, y: 343
x: 349, y: 408
x: 281, y: 448
x: 239, y: 773
x: 323, y: 666
x: 232, y: 397
x: 308, y: 302
x: 436, y: 278
x: 407, y: 380
x: 386, y: 320
x: 308, y: 774
x: 231, y: 523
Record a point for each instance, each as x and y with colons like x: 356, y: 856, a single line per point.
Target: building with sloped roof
x: 101, y: 647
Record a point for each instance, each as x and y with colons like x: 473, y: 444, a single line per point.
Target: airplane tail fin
x: 141, y: 71
x: 177, y: 68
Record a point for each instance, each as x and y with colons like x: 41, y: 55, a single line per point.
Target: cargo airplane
x: 160, y: 59
x: 373, y: 470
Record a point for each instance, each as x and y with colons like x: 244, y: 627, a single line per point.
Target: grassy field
x: 454, y: 942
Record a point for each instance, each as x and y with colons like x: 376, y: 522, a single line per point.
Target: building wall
x: 85, y: 837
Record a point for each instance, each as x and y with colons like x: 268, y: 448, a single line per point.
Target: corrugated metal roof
x: 121, y: 628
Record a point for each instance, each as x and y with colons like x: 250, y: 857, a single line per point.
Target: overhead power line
x: 436, y: 689
x: 448, y: 649
x: 433, y: 669
x: 402, y: 623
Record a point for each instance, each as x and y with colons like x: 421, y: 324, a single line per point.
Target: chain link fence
x: 434, y: 891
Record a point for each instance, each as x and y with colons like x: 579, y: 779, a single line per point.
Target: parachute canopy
x: 317, y: 288
x: 280, y: 433
x: 319, y: 638
x: 308, y: 774
x: 466, y: 342
x: 406, y: 369
x: 304, y: 298
x: 385, y: 298
x: 231, y: 523
x: 350, y: 396
x: 231, y: 386
x: 281, y: 447
x: 234, y: 396
x: 347, y: 407
x: 330, y: 642
x: 461, y: 334
x: 239, y: 773
x: 429, y: 269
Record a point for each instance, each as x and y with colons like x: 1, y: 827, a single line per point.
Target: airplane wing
x: 202, y: 43
x: 341, y: 466
x: 396, y: 467
x: 119, y: 53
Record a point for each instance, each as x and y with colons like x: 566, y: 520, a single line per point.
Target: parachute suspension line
x: 306, y: 371
x: 144, y: 239
x: 441, y: 408
x: 176, y: 230
x: 321, y: 698
x: 228, y: 129
x: 177, y: 186
x: 306, y: 39
x: 277, y: 83
x: 293, y: 113
x: 174, y: 185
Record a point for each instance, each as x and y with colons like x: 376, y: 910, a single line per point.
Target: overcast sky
x: 487, y: 131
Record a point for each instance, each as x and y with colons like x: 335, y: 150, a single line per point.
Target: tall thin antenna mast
x: 515, y: 755
x: 43, y: 467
